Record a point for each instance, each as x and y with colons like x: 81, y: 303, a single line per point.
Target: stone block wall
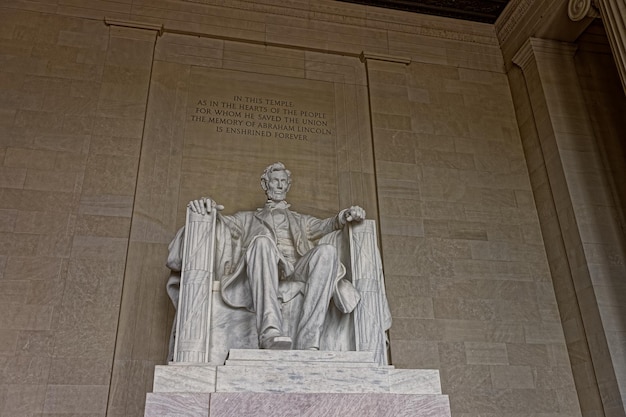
x: 184, y: 158
x: 606, y: 234
x: 566, y: 97
x: 569, y: 309
x: 73, y: 101
x: 470, y: 288
x: 99, y: 155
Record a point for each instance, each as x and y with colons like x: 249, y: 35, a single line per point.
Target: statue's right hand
x: 204, y: 205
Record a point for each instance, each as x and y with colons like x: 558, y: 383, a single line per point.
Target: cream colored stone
x: 544, y: 333
x: 183, y: 49
x: 110, y: 175
x: 486, y: 353
x: 414, y: 307
x: 515, y: 311
x: 330, y: 68
x: 118, y: 127
x: 451, y: 353
x: 543, y: 401
x: 29, y: 158
x: 415, y: 329
x: 16, y: 245
x: 400, y: 207
x: 66, y: 399
x: 23, y: 399
x: 571, y: 117
x: 8, y: 342
x: 512, y: 377
x: 77, y: 125
x: 12, y: 177
x: 38, y: 343
x: 92, y: 247
x: 455, y: 378
x: 401, y: 226
x: 108, y: 226
x: 392, y: 121
x: 83, y: 340
x: 408, y: 353
x: 45, y: 292
x: 443, y: 210
x: 79, y: 371
x: 462, y: 94
x: 450, y: 308
x: 50, y: 180
x: 405, y: 188
x: 25, y: 317
x: 527, y: 354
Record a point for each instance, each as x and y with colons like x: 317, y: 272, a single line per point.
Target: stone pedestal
x: 295, y: 383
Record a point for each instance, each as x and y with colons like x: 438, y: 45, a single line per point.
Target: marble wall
x: 470, y: 288
x: 189, y: 151
x: 568, y: 138
x: 102, y: 143
x: 73, y: 102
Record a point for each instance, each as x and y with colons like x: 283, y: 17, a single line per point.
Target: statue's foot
x: 277, y: 343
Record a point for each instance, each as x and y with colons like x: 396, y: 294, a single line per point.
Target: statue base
x: 294, y: 383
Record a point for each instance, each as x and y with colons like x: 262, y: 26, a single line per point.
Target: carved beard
x: 271, y: 195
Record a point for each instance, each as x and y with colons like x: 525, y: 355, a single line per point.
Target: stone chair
x: 205, y: 328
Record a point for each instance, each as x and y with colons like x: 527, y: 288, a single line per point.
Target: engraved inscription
x: 261, y: 117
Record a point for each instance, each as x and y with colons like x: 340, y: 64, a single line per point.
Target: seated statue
x: 265, y: 258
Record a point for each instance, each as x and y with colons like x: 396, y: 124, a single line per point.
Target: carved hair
x: 276, y: 166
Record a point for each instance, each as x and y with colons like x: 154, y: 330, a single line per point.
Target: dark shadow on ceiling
x: 486, y: 11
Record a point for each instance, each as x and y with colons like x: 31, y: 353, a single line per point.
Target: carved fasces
x: 194, y: 303
x: 372, y: 316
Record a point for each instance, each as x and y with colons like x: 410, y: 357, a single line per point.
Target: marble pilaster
x: 582, y: 198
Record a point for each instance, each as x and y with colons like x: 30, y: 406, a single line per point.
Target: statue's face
x: 277, y: 186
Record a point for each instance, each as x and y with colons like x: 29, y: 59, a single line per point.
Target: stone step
x: 302, y: 404
x: 306, y: 358
x: 290, y: 378
x: 275, y: 378
x: 300, y: 356
x: 290, y: 383
x: 184, y: 378
x: 309, y: 364
x: 252, y: 370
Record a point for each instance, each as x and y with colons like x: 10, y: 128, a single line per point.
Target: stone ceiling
x: 486, y: 11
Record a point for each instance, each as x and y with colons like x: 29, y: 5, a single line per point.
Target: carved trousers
x: 317, y: 269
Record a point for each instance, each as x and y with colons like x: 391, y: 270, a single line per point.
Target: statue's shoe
x: 277, y: 343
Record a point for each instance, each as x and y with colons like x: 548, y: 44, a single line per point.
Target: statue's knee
x: 327, y: 251
x: 262, y: 243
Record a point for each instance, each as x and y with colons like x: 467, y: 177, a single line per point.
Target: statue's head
x: 276, y: 181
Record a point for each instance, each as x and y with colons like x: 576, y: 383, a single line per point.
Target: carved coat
x: 235, y: 233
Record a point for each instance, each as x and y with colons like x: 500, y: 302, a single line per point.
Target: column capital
x: 613, y: 15
x: 579, y: 9
x: 526, y: 54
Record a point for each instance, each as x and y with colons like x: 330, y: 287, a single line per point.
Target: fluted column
x: 613, y: 14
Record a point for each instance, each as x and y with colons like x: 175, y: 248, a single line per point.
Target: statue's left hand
x: 353, y: 214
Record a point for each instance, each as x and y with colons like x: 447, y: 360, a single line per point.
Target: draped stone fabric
x: 286, y: 267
